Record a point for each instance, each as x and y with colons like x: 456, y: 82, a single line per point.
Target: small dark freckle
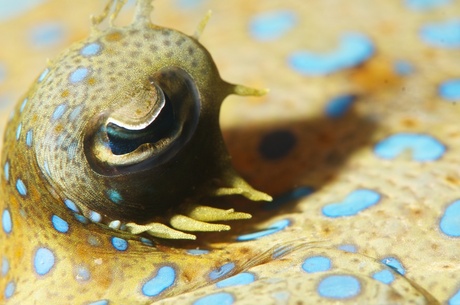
x: 167, y: 42
x: 180, y: 41
x: 134, y: 54
x: 125, y: 44
x: 190, y: 50
x: 169, y: 54
x: 133, y: 31
x: 154, y: 48
x: 138, y: 44
x: 166, y: 32
x: 194, y: 64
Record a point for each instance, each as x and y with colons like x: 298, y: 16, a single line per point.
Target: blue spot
x: 71, y: 205
x: 79, y: 75
x: 18, y: 131
x: 60, y: 224
x: 274, y: 228
x: 197, y: 252
x: 164, y: 279
x: 81, y: 218
x: 384, y: 276
x: 354, y: 49
x: 21, y: 187
x: 316, y: 264
x: 5, y: 266
x: 220, y: 298
x: 75, y: 113
x: 395, y: 264
x: 29, y: 136
x: 9, y: 290
x: 339, y: 105
x: 6, y: 221
x: 445, y: 34
x: 146, y: 242
x: 59, y: 111
x: 281, y: 251
x: 95, y: 216
x: 450, y: 90
x: 339, y: 287
x: 46, y: 34
x: 47, y: 169
x: 294, y: 195
x: 91, y: 49
x: 282, y: 297
x: 455, y: 300
x: 114, y: 196
x: 450, y: 221
x: 23, y: 105
x: 6, y: 171
x: 43, y: 75
x: 348, y: 248
x: 421, y: 5
x: 277, y: 144
x: 72, y: 150
x: 119, y: 244
x: 223, y: 270
x: 244, y: 278
x: 354, y: 203
x: 100, y: 302
x: 403, y: 67
x: 83, y: 273
x: 423, y: 147
x: 272, y: 25
x: 43, y: 261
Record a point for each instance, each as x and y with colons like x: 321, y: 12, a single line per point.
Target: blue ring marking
x: 18, y: 131
x: 221, y: 271
x: 23, y: 105
x: 450, y: 90
x: 72, y: 150
x: 281, y: 251
x: 272, y: 25
x: 82, y: 274
x: 47, y: 34
x: 354, y: 49
x: 47, y: 168
x: 43, y: 75
x: 244, y: 278
x: 91, y: 49
x: 29, y: 137
x: 114, y: 196
x: 80, y: 218
x: 95, y: 216
x: 75, y: 113
x: 9, y: 289
x: 20, y: 186
x: 197, y: 251
x: 58, y: 112
x: 423, y: 147
x: 354, y: 203
x: 445, y: 34
x: 71, y: 205
x: 385, y: 276
x: 339, y: 106
x: 277, y: 144
x: 455, y: 299
x: 339, y: 287
x: 164, y: 279
x: 43, y: 261
x: 79, y: 75
x: 100, y: 302
x: 220, y: 298
x: 119, y: 243
x: 5, y: 266
x: 6, y: 171
x: 274, y: 228
x: 7, y: 223
x: 316, y: 264
x: 348, y: 248
x: 403, y: 68
x: 450, y: 221
x: 60, y: 224
x: 394, y: 264
x: 422, y: 5
x: 290, y: 196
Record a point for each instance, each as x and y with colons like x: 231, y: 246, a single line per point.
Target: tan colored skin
x: 52, y: 157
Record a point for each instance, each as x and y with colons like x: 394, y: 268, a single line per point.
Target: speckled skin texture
x: 359, y: 150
